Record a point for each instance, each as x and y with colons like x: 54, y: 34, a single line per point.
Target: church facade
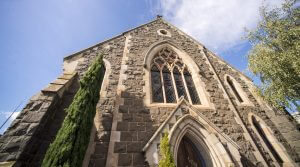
x: 157, y: 80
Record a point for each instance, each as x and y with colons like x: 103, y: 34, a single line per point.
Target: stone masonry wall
x: 141, y: 39
x: 29, y: 136
x: 283, y: 126
x: 122, y: 114
x: 112, y: 51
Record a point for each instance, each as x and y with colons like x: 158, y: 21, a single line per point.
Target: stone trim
x: 280, y: 149
x: 103, y: 91
x: 112, y: 158
x: 216, y: 154
x: 167, y: 33
x: 59, y: 85
x: 175, y: 123
x: 238, y: 118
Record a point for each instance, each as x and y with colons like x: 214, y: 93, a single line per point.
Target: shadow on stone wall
x: 35, y: 149
x: 136, y: 128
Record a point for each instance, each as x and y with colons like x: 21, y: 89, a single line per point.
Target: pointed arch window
x: 171, y: 79
x: 234, y: 90
x: 259, y: 129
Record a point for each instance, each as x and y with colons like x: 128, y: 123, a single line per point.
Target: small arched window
x: 234, y: 90
x: 259, y: 129
x: 171, y: 79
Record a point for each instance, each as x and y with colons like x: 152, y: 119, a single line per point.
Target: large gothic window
x: 171, y: 79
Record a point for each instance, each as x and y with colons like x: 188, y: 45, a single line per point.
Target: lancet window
x: 171, y: 79
x: 265, y: 139
x: 234, y: 90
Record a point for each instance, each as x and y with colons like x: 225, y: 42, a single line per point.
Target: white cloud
x: 7, y: 114
x: 218, y: 24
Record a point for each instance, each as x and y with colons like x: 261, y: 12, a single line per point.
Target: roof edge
x: 110, y: 39
x: 159, y: 17
x: 193, y: 39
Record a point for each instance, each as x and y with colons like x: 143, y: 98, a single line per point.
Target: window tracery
x: 171, y: 79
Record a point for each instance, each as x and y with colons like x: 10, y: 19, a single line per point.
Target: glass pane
x: 191, y: 87
x: 157, y: 95
x: 179, y: 83
x: 169, y: 89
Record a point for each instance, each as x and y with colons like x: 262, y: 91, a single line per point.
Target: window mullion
x: 163, y: 86
x: 175, y: 88
x: 186, y: 88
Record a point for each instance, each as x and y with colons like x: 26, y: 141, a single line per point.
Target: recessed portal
x: 188, y: 154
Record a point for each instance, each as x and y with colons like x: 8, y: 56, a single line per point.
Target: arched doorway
x: 189, y: 155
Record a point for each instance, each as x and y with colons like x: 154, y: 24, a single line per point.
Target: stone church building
x: 158, y: 79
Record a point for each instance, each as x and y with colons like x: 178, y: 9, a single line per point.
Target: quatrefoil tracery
x: 167, y: 57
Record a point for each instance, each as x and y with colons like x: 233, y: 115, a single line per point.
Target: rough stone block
x: 59, y: 81
x: 134, y: 147
x: 120, y: 147
x: 32, y: 117
x: 138, y: 159
x: 122, y: 126
x: 125, y: 159
x: 53, y: 88
x: 127, y: 117
x: 126, y: 136
x: 123, y: 109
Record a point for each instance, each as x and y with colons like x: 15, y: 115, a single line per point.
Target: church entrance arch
x: 189, y: 154
x: 193, y: 145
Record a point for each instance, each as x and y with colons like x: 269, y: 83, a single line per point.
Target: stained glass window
x: 237, y: 95
x: 179, y: 83
x: 165, y: 64
x: 191, y: 87
x: 157, y: 94
x: 168, y: 84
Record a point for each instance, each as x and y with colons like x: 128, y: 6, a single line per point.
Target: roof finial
x: 159, y: 16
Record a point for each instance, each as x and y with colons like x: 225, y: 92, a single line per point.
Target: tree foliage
x: 275, y: 56
x: 70, y: 144
x: 165, y: 152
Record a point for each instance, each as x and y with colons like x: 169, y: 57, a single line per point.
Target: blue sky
x: 36, y: 35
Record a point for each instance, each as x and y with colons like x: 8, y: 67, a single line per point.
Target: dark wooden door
x: 188, y: 155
